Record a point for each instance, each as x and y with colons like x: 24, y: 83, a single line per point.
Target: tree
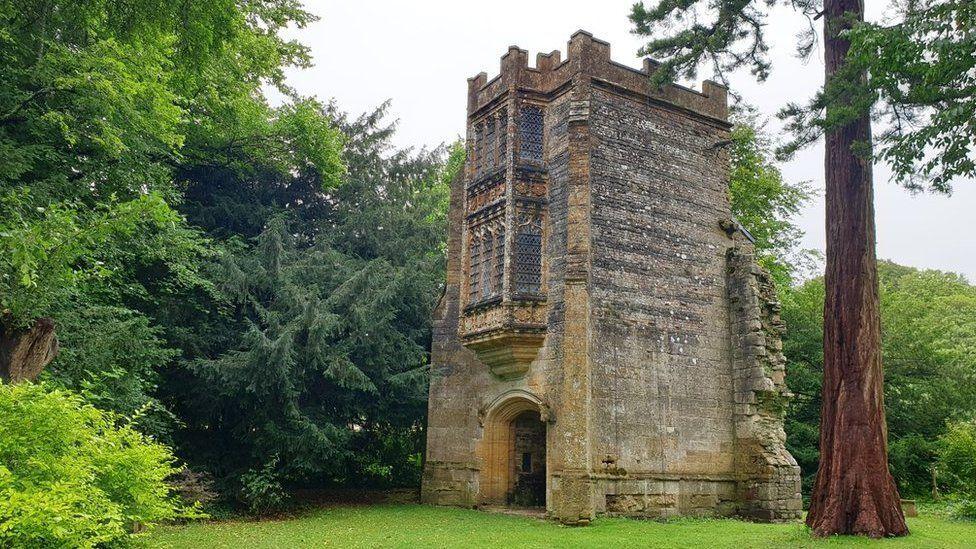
x: 314, y: 372
x: 854, y: 492
x: 929, y: 350
x: 919, y: 80
x: 111, y: 114
x: 48, y: 253
x: 763, y: 202
x: 113, y: 357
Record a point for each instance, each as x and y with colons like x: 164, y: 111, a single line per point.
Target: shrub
x: 957, y: 457
x: 911, y: 458
x: 71, y: 477
x: 962, y: 508
x: 194, y: 487
x: 262, y: 491
x: 957, y: 463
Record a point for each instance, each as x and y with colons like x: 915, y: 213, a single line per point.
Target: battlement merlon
x: 590, y: 56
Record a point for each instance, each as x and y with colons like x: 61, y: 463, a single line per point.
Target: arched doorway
x: 513, y: 452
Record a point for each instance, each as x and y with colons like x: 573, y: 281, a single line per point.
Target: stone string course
x: 660, y: 374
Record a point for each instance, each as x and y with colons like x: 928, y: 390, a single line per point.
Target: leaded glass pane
x: 479, y: 148
x: 474, y: 272
x: 490, y: 144
x: 528, y: 258
x: 530, y: 133
x: 486, y: 268
x: 502, y: 136
x: 499, y: 273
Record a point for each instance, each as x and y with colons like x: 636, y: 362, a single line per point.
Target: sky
x: 419, y: 54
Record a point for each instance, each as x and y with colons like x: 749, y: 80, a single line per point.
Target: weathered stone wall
x: 769, y: 478
x: 456, y: 379
x: 662, y: 387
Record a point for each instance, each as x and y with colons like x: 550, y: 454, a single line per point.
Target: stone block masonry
x: 598, y: 287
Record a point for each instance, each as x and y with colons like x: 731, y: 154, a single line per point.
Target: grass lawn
x: 422, y: 526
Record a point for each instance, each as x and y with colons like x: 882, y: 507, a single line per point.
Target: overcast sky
x: 420, y: 53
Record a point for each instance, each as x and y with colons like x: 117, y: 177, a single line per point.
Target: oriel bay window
x: 506, y: 198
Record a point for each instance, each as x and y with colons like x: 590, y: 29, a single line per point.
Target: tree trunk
x: 854, y: 492
x: 25, y: 352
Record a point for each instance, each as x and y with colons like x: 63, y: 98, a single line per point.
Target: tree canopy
x: 929, y: 347
x: 764, y: 202
x: 912, y: 71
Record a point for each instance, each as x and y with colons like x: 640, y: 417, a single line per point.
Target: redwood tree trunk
x: 25, y: 352
x: 854, y: 492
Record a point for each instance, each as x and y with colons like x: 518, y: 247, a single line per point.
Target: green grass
x: 423, y: 526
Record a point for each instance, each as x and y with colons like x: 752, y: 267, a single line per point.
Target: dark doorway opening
x: 529, y: 461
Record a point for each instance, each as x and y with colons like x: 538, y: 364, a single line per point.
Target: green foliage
x: 929, y: 352
x: 105, y: 97
x: 957, y: 465
x: 957, y: 457
x: 78, y: 264
x: 112, y: 115
x: 86, y: 98
x: 763, y: 202
x: 46, y: 253
x: 921, y: 82
x: 963, y: 509
x: 317, y: 371
x: 71, y: 477
x: 684, y: 42
x: 112, y: 357
x: 914, y: 71
x: 261, y: 490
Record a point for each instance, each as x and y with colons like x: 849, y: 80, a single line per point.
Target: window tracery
x: 474, y: 267
x: 479, y: 148
x: 499, y: 275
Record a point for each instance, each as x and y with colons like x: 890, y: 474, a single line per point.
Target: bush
x: 194, y: 487
x: 962, y: 509
x: 957, y: 465
x: 911, y: 458
x: 957, y: 458
x: 71, y: 477
x: 262, y: 491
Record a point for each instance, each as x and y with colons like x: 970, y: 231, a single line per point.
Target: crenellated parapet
x: 589, y: 58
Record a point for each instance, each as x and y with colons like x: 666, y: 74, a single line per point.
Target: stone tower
x: 606, y: 343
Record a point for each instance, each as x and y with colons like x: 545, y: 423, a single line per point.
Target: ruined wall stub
x: 595, y: 276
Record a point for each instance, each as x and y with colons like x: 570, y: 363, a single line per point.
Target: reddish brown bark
x: 854, y: 492
x: 25, y: 352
